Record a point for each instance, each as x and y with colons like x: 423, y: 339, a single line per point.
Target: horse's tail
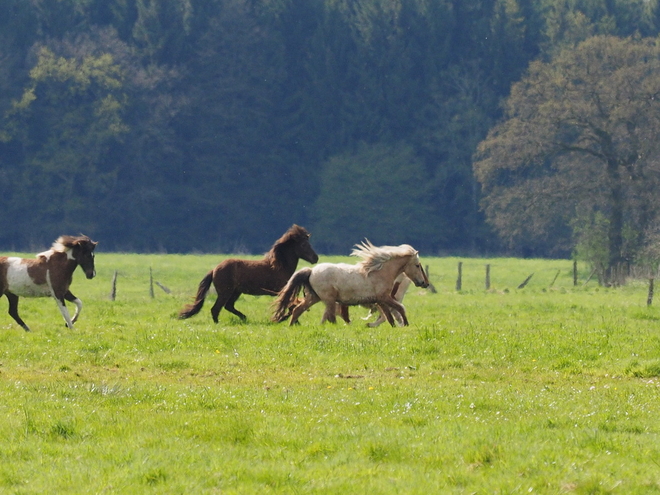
x: 194, y: 308
x: 290, y: 292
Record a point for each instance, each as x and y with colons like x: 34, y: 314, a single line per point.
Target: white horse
x: 367, y: 282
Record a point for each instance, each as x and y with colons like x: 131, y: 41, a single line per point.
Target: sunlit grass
x: 546, y: 389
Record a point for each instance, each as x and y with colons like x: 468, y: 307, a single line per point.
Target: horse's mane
x: 63, y: 244
x: 294, y: 235
x: 373, y: 257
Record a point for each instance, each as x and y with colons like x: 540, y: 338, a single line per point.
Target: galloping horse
x: 50, y: 274
x: 368, y: 282
x: 234, y: 277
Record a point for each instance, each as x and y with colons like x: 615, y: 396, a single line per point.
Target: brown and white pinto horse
x: 267, y: 276
x: 50, y: 274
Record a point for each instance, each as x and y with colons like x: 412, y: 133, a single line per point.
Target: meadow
x: 553, y: 388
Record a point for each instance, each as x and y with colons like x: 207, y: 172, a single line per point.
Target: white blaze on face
x: 20, y: 283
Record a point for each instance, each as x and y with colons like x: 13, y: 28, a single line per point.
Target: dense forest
x: 213, y: 125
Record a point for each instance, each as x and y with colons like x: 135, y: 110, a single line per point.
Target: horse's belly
x: 20, y: 283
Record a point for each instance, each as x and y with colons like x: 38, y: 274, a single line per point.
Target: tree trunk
x: 615, y: 230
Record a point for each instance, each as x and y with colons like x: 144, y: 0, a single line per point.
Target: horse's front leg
x: 65, y: 312
x: 399, y: 308
x: 384, y: 314
x: 60, y: 302
x: 71, y: 298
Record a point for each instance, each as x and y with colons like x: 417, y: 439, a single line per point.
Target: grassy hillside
x: 546, y: 389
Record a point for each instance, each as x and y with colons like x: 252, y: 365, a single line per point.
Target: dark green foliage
x: 377, y: 192
x: 211, y: 124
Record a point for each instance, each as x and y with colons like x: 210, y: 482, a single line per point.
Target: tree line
x: 213, y: 125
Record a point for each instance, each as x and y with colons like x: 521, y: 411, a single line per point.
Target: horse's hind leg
x: 71, y: 298
x: 221, y: 300
x: 330, y: 313
x: 229, y: 306
x: 13, y: 310
x: 309, y: 301
x: 343, y: 312
x: 290, y: 309
x: 217, y: 307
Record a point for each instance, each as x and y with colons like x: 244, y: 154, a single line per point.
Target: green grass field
x: 546, y: 389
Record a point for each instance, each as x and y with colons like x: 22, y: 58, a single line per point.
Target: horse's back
x: 345, y: 283
x: 255, y: 277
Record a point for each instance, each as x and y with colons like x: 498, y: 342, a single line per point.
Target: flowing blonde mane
x: 374, y: 257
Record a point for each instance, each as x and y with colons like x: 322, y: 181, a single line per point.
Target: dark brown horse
x: 50, y: 274
x: 234, y: 277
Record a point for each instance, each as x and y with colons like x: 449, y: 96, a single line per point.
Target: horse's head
x: 413, y: 269
x: 82, y: 251
x: 303, y: 247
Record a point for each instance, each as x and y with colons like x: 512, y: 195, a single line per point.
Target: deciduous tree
x: 579, y: 136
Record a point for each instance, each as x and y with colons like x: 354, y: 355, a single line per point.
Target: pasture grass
x: 546, y: 389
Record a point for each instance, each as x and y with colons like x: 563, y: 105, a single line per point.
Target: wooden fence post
x: 589, y: 278
x: 113, y: 290
x: 575, y: 274
x: 487, y: 276
x: 521, y: 286
x: 151, y: 284
x: 431, y: 286
x: 649, y: 299
x: 555, y: 279
x: 459, y: 280
x: 166, y: 290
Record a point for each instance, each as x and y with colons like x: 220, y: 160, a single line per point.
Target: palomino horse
x: 234, y: 277
x: 368, y: 282
x: 50, y: 274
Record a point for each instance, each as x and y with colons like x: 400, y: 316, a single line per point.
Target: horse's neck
x: 62, y: 264
x: 288, y: 261
x: 393, y: 268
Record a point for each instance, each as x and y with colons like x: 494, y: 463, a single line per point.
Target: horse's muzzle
x: 90, y: 275
x: 423, y: 284
x: 313, y: 259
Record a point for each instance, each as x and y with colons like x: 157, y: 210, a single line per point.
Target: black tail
x: 194, y: 308
x: 290, y: 292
